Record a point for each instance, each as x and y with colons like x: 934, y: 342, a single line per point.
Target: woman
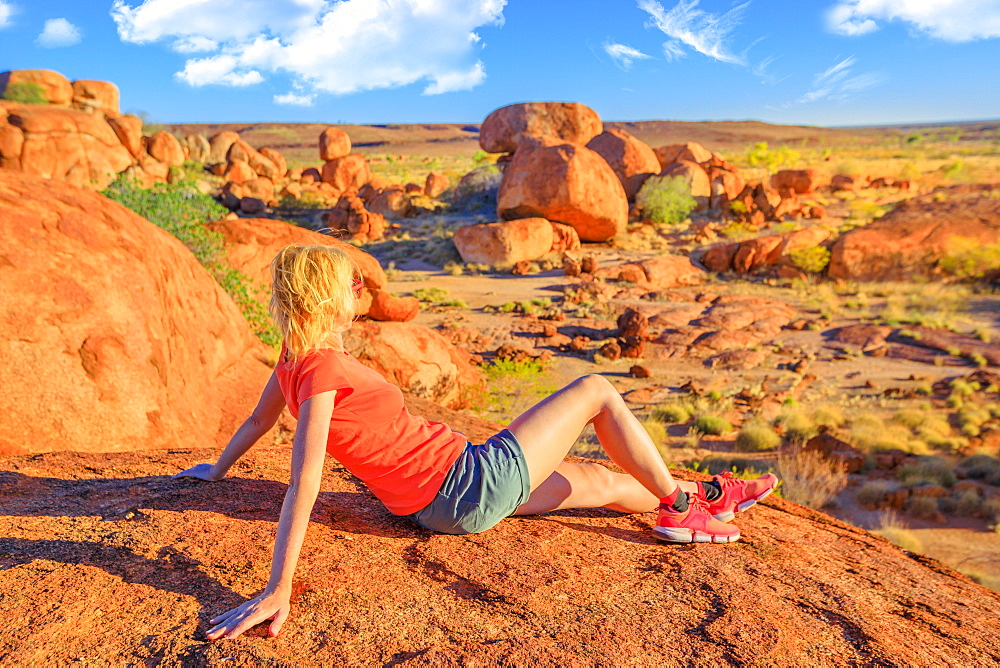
x: 428, y: 472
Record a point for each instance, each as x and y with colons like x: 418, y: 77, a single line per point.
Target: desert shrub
x: 513, y: 387
x: 828, y: 415
x: 712, y: 424
x: 979, y: 467
x: 672, y: 413
x: 796, y: 426
x: 990, y: 510
x: 971, y: 261
x: 874, y: 492
x: 477, y: 191
x: 981, y: 578
x: 809, y: 478
x: 966, y: 503
x: 929, y: 470
x: 657, y: 431
x: 181, y: 209
x: 922, y: 506
x: 665, y: 200
x: 771, y: 158
x: 813, y: 260
x: 756, y: 436
x: 436, y: 297
x: 847, y: 168
x: 25, y: 92
x: 909, y: 418
x: 893, y: 529
x: 869, y: 432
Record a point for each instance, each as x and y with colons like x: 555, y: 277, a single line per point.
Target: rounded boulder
x: 505, y: 128
x: 632, y: 160
x: 504, y: 243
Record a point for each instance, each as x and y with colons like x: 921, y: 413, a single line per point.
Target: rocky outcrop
x: 57, y: 89
x: 59, y: 143
x: 333, y: 143
x: 250, y: 246
x: 350, y: 215
x: 435, y: 184
x: 416, y: 359
x: 687, y: 152
x: 912, y: 239
x: 96, y: 96
x: 111, y: 544
x: 763, y: 252
x: 632, y: 160
x: 801, y: 181
x: 347, y: 173
x: 500, y: 244
x: 131, y: 345
x: 565, y: 183
x: 505, y: 128
x: 164, y: 147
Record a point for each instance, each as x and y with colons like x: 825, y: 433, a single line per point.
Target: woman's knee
x: 598, y: 386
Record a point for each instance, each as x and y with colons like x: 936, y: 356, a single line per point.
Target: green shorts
x: 485, y: 484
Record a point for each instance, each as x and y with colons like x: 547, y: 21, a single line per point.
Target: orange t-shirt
x: 402, y: 458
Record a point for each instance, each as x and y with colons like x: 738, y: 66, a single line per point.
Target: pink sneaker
x: 694, y: 525
x: 738, y: 494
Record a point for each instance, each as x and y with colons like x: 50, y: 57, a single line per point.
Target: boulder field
x: 113, y: 562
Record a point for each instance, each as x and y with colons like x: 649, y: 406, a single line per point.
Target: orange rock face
x: 351, y: 215
x: 414, y: 358
x: 347, y: 173
x: 691, y: 152
x: 565, y: 183
x: 164, y: 147
x: 132, y: 345
x: 334, y: 143
x: 632, y: 160
x: 219, y: 145
x: 278, y: 159
x: 239, y: 171
x: 801, y: 181
x: 95, y: 96
x: 504, y: 243
x: 505, y: 128
x: 58, y: 90
x: 435, y: 185
x: 391, y: 204
x: 695, y: 176
x: 128, y: 129
x: 910, y: 240
x: 390, y: 308
x: 64, y: 144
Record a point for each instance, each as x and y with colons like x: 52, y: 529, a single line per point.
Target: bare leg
x: 548, y: 430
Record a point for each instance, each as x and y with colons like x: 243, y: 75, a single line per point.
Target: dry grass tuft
x: 809, y: 478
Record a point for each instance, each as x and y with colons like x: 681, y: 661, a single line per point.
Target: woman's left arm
x: 308, y: 453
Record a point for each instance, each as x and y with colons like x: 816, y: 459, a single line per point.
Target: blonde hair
x: 311, y: 294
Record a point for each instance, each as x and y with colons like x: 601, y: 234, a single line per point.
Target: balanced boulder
x: 505, y: 128
x: 632, y: 160
x: 334, y: 143
x: 566, y: 183
x: 55, y: 87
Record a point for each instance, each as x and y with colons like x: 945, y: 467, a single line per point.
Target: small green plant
x: 437, y: 297
x: 770, y: 159
x: 929, y: 470
x: 671, y: 413
x: 512, y: 387
x: 666, y: 200
x: 796, y: 426
x: 971, y: 261
x: 813, y: 260
x: 712, y: 424
x: 757, y: 436
x: 25, y: 92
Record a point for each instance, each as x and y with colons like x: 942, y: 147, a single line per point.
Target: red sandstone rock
x: 63, y: 144
x: 347, y: 173
x: 392, y: 204
x: 100, y: 96
x: 197, y: 147
x: 632, y: 160
x: 277, y: 159
x: 57, y: 88
x: 435, y: 185
x: 415, y: 358
x: 239, y: 171
x: 164, y: 147
x: 564, y: 238
x: 910, y: 240
x: 849, y: 182
x: 333, y: 143
x: 696, y: 177
x: 671, y: 271
x: 504, y: 243
x: 389, y: 308
x: 505, y: 128
x: 566, y: 183
x: 802, y: 181
x: 150, y: 343
x: 689, y: 152
x: 351, y: 215
x: 219, y: 145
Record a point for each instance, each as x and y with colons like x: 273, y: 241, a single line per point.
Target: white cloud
x: 623, y: 55
x: 686, y: 25
x: 7, y: 10
x: 294, y: 99
x: 837, y: 82
x: 58, y: 32
x: 333, y: 46
x: 950, y: 20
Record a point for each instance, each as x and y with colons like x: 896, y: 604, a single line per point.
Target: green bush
x: 26, y: 92
x: 711, y: 424
x: 770, y: 159
x: 971, y: 261
x: 671, y: 413
x: 756, y: 436
x: 181, y: 209
x: 927, y: 471
x: 666, y: 200
x: 813, y: 260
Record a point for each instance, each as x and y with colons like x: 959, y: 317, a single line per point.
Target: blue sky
x: 819, y: 62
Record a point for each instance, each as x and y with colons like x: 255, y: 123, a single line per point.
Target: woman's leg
x: 549, y: 429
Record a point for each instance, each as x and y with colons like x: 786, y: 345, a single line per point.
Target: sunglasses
x: 357, y: 285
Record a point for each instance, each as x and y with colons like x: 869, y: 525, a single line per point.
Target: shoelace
x: 726, y: 479
x: 694, y: 501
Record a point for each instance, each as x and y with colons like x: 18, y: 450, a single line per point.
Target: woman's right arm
x: 264, y: 416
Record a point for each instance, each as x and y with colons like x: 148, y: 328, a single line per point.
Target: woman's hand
x: 239, y: 620
x: 202, y: 471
